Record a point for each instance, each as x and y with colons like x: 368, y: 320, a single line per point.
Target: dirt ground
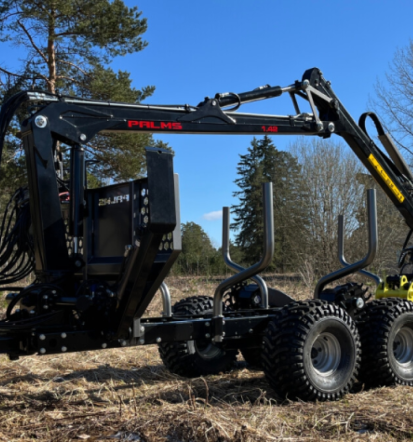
x: 127, y: 395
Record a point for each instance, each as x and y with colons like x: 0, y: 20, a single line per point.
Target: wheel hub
x: 207, y: 350
x: 326, y: 354
x: 403, y: 347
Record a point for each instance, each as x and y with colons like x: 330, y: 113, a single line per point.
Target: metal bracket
x: 209, y: 108
x: 309, y: 92
x: 138, y: 329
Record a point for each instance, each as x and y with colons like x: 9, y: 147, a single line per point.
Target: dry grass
x: 127, y: 395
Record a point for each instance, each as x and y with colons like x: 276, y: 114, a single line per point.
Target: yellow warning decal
x: 386, y: 178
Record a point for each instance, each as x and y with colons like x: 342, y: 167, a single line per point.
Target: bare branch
x: 75, y: 66
x: 5, y: 18
x: 37, y: 49
x: 64, y: 77
x: 12, y: 73
x: 28, y: 77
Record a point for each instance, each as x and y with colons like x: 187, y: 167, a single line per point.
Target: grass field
x: 127, y: 395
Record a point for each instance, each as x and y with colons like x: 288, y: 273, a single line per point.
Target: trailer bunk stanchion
x: 268, y: 254
x: 375, y: 278
x: 372, y: 248
x: 236, y: 267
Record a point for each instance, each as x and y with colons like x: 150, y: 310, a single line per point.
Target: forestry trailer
x: 100, y: 255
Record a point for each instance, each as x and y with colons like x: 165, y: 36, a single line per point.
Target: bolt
x: 45, y: 307
x: 236, y: 333
x: 158, y: 340
x: 360, y: 303
x: 53, y: 292
x: 207, y: 324
x: 82, y: 137
x: 45, y: 297
x: 42, y: 351
x: 223, y: 333
x: 141, y: 341
x: 331, y: 127
x: 251, y: 330
x: 223, y: 322
x: 64, y: 349
x: 42, y: 337
x: 78, y: 263
x: 320, y: 126
x: 104, y: 345
x: 63, y: 335
x: 142, y: 329
x: 305, y: 84
x: 123, y: 343
x: 207, y: 335
x: 40, y: 121
x: 214, y: 103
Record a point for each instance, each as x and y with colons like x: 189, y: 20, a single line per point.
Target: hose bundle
x: 16, y: 243
x: 7, y: 112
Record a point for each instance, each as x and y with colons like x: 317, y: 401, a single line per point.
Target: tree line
x: 313, y: 183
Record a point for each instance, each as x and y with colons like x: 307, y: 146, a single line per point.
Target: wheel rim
x: 326, y: 354
x: 403, y: 347
x: 207, y: 350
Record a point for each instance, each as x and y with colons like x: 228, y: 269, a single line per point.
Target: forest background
x: 69, y: 47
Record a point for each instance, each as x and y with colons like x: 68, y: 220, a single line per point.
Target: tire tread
x: 175, y: 355
x: 283, y: 350
x: 375, y: 323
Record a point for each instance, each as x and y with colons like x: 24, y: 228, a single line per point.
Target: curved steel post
x: 254, y: 269
x: 232, y: 265
x: 166, y: 300
x: 368, y: 259
x: 376, y: 279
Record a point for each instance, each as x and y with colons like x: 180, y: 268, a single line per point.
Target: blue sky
x: 197, y: 48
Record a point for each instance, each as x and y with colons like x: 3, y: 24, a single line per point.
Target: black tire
x: 195, y: 358
x: 311, y: 351
x: 386, y: 332
x: 252, y: 357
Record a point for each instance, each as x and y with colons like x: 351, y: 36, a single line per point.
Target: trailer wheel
x: 196, y: 357
x: 311, y: 351
x: 252, y: 357
x: 386, y: 332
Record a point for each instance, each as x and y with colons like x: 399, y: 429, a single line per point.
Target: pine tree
x: 65, y: 39
x: 69, y: 45
x: 264, y: 163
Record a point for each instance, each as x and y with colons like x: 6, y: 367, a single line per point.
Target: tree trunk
x: 51, y: 53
